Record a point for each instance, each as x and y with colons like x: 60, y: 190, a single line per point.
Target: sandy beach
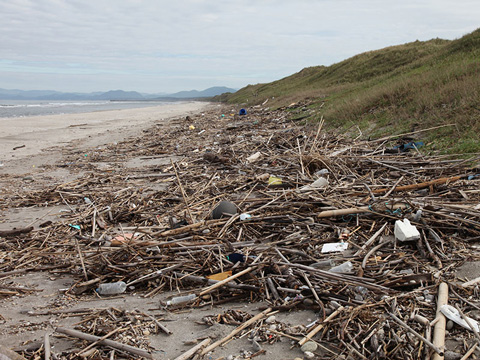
x: 22, y: 138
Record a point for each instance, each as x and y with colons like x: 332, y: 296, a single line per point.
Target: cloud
x: 160, y: 45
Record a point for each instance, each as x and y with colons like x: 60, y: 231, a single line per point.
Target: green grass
x: 398, y: 89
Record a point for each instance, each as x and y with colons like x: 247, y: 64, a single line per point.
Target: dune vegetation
x: 399, y: 89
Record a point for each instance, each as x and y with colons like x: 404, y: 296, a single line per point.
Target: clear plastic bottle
x: 181, y: 299
x: 112, y: 288
x: 346, y: 267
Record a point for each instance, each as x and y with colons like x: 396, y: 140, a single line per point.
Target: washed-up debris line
x: 304, y: 201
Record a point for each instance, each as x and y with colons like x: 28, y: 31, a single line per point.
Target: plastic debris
x: 224, y: 208
x: 273, y: 180
x: 317, y: 184
x: 180, y: 300
x: 254, y: 157
x: 453, y: 314
x: 404, y: 231
x: 334, y: 247
x: 346, y: 267
x: 114, y: 288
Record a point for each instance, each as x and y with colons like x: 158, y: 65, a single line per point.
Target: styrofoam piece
x: 451, y: 313
x: 254, y: 157
x: 334, y: 247
x: 404, y: 231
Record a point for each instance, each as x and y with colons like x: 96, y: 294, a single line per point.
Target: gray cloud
x: 157, y: 45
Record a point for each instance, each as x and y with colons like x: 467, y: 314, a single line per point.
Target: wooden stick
x: 188, y: 354
x: 160, y: 325
x: 81, y: 259
x: 223, y: 282
x: 46, y: 345
x: 423, y: 185
x: 107, y: 342
x: 340, y: 212
x: 441, y: 321
x: 8, y: 354
x: 410, y: 133
x: 236, y: 331
x: 469, y: 323
x: 469, y: 352
x: 183, y: 193
x: 371, y: 240
x: 437, y: 350
x: 471, y: 282
x: 99, y: 340
x: 393, y: 187
x: 320, y: 326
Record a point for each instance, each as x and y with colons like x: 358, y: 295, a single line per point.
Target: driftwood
x: 107, y: 342
x: 15, y: 232
x: 150, y: 226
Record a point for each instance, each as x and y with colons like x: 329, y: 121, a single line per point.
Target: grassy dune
x: 394, y: 90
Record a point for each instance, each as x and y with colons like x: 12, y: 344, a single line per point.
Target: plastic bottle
x: 346, y: 267
x: 181, y: 299
x: 112, y: 288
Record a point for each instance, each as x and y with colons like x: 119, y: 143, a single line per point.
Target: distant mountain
x: 192, y: 94
x: 16, y: 94
x: 120, y: 95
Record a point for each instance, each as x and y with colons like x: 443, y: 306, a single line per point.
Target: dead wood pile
x: 151, y: 228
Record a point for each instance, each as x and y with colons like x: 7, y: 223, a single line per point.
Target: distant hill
x: 192, y: 94
x: 16, y: 94
x: 398, y: 89
x: 120, y: 95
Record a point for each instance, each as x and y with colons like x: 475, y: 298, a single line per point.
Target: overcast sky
x: 171, y: 45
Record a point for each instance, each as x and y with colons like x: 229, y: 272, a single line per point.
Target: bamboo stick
x: 439, y: 329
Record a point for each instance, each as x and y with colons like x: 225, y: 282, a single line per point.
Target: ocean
x: 22, y: 108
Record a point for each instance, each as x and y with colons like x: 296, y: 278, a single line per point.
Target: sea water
x: 22, y: 108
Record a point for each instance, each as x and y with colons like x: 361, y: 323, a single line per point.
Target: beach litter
x: 330, y: 253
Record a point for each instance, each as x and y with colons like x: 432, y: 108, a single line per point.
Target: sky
x: 164, y: 46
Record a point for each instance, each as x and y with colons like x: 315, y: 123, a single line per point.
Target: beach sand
x: 27, y: 137
x: 43, y: 145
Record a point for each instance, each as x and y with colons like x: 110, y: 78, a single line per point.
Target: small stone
x: 270, y: 319
x: 309, y: 346
x: 146, y: 332
x: 449, y: 325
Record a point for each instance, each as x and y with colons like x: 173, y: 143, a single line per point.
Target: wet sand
x: 22, y: 138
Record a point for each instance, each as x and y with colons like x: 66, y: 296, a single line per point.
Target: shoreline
x: 24, y: 138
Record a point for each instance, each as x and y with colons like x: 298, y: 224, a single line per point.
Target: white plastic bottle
x: 181, y: 299
x: 112, y: 288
